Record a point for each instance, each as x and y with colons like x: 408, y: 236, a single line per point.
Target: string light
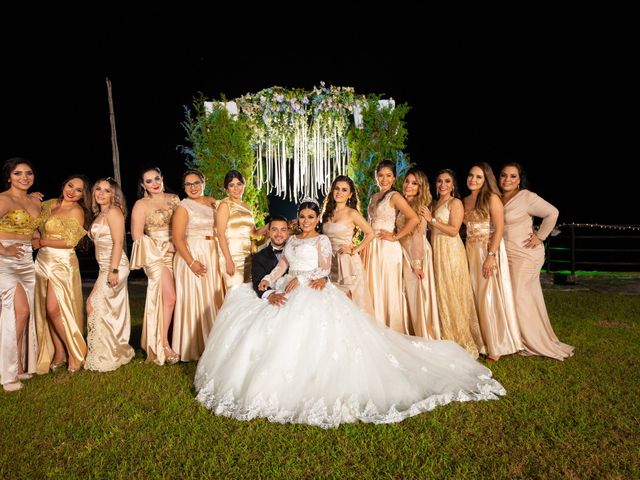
x: 634, y: 228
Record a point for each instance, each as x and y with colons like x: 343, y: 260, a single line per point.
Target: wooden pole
x: 115, y: 154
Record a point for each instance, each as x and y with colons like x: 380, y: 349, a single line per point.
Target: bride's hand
x: 292, y: 285
x: 263, y: 285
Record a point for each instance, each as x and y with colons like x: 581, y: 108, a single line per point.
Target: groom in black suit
x: 266, y: 259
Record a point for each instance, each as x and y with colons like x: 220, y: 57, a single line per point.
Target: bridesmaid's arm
x: 496, y: 213
x: 399, y: 203
x: 222, y: 218
x: 416, y: 248
x: 549, y: 214
x: 363, y: 225
x: 78, y: 215
x: 456, y: 216
x: 115, y: 221
x: 179, y: 222
x: 137, y: 220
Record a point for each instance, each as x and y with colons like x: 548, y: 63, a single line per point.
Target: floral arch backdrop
x: 294, y: 141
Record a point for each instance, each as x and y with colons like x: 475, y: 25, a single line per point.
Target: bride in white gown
x: 320, y: 360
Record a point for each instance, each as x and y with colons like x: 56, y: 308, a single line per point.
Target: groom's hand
x: 277, y: 299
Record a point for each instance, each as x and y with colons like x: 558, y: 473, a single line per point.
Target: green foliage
x: 219, y: 144
x: 571, y: 419
x: 383, y: 137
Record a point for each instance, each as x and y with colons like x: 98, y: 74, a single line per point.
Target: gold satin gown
x: 383, y: 269
x: 198, y: 299
x: 151, y: 253
x: 537, y: 333
x: 493, y: 296
x: 422, y: 303
x: 109, y: 323
x: 347, y: 272
x: 59, y: 266
x: 458, y: 318
x: 238, y: 235
x: 14, y: 271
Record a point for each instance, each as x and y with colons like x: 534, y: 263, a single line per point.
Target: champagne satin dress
x: 151, y: 253
x: 59, y: 267
x: 383, y: 269
x: 422, y: 304
x: 109, y: 323
x: 347, y: 272
x: 537, y: 333
x: 458, y: 318
x: 493, y: 296
x: 198, y: 299
x: 238, y: 235
x: 13, y: 272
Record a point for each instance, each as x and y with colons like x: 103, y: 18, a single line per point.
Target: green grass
x: 574, y: 419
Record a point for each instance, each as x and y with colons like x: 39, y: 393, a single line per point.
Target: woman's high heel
x: 170, y: 356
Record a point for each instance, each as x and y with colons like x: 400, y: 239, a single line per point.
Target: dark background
x: 549, y: 92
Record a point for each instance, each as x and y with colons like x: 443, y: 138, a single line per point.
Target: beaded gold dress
x: 493, y: 296
x: 383, y: 269
x: 458, y: 318
x: 420, y: 294
x: 347, y: 272
x: 13, y: 272
x: 198, y: 299
x: 58, y: 268
x: 153, y: 252
x: 238, y: 235
x: 109, y: 323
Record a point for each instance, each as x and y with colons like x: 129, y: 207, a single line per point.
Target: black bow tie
x: 276, y: 250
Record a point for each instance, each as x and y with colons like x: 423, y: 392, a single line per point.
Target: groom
x: 266, y: 259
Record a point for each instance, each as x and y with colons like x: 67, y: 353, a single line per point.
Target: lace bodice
x: 160, y: 218
x: 307, y: 259
x: 201, y: 218
x: 382, y: 216
x: 479, y: 228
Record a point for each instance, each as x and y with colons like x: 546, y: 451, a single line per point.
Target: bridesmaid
x: 199, y: 285
x: 383, y: 256
x: 458, y: 318
x: 419, y: 285
x: 488, y: 265
x: 340, y: 221
x: 19, y: 217
x: 108, y: 317
x: 235, y: 227
x: 58, y: 298
x: 153, y: 251
x: 525, y: 253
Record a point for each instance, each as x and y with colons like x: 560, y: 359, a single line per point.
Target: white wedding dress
x: 322, y: 361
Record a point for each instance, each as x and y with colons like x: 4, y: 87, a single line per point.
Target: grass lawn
x: 574, y: 419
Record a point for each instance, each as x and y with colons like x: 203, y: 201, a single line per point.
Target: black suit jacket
x: 261, y: 264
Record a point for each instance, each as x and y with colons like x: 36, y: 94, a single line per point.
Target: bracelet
x: 194, y: 261
x: 491, y: 254
x: 417, y: 264
x: 115, y: 270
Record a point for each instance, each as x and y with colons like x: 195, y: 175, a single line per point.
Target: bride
x: 320, y: 360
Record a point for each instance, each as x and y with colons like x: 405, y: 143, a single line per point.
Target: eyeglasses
x: 197, y: 183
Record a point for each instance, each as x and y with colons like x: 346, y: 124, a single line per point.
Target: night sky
x: 549, y: 93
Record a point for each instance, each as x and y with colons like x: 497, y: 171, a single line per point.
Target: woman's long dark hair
x: 9, y: 166
x: 329, y: 204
